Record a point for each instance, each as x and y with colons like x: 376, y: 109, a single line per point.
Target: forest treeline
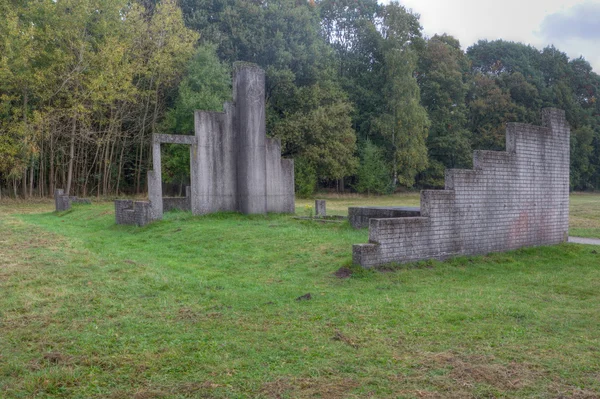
x: 359, y: 97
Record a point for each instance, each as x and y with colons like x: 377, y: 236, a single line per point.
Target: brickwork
x: 509, y: 200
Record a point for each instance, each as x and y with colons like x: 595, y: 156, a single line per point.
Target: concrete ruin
x: 510, y: 199
x: 359, y: 216
x: 63, y: 202
x: 132, y: 212
x: 234, y: 166
x: 320, y: 208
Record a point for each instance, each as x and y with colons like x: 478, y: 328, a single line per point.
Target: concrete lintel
x: 174, y: 139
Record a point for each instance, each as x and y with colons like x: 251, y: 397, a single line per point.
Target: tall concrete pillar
x: 155, y: 184
x: 249, y: 97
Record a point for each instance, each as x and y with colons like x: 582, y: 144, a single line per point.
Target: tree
x: 373, y: 174
x: 403, y: 124
x: 318, y: 130
x: 442, y: 77
x: 206, y: 86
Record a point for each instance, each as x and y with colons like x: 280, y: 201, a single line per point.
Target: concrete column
x: 155, y: 184
x: 249, y: 97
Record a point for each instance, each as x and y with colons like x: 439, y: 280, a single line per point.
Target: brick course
x: 510, y: 199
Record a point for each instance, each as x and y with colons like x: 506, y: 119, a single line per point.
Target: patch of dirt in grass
x: 57, y: 358
x: 148, y: 394
x: 559, y: 391
x: 463, y: 376
x: 325, y: 387
x: 343, y: 272
x: 190, y: 315
x: 470, y: 370
x: 338, y: 336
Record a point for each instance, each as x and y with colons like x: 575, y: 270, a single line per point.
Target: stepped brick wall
x: 510, y: 199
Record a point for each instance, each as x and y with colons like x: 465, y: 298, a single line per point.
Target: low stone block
x: 320, y: 208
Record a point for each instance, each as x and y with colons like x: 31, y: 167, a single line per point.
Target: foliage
x: 305, y: 177
x: 373, y: 174
x: 205, y: 86
x: 84, y: 84
x: 403, y: 123
x: 442, y: 76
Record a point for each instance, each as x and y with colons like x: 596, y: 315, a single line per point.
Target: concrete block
x: 320, y: 208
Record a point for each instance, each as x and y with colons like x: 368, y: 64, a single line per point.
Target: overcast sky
x: 573, y: 26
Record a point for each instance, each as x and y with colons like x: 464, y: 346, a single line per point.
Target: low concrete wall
x: 509, y: 200
x: 359, y: 216
x: 178, y: 203
x: 132, y: 212
x: 63, y: 202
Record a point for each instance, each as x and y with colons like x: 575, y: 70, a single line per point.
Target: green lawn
x: 205, y: 307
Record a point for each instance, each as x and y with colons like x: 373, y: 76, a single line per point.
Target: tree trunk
x: 51, y: 186
x: 31, y: 175
x: 71, y: 155
x: 24, y: 184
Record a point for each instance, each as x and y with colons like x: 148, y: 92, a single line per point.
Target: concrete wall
x: 63, y: 202
x: 249, y: 96
x: 178, y: 203
x: 509, y: 200
x: 124, y: 212
x: 360, y: 216
x: 279, y: 179
x: 234, y: 167
x: 133, y: 212
x: 214, y: 162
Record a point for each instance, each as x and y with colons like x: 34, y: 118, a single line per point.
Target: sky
x: 573, y: 26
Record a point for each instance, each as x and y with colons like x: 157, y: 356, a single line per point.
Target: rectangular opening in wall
x: 175, y: 165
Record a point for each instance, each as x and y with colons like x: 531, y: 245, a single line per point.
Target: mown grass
x: 205, y: 307
x: 584, y: 215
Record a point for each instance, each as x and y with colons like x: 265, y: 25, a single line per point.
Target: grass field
x: 206, y: 307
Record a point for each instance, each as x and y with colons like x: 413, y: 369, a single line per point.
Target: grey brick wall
x: 509, y: 200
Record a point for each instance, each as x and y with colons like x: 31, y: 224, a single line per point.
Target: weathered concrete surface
x: 178, y: 203
x: 63, y: 202
x: 249, y: 95
x: 234, y: 167
x: 155, y: 181
x: 214, y: 162
x: 133, y: 212
x: 280, y: 179
x: 124, y: 212
x: 320, y: 208
x: 359, y: 216
x: 509, y: 200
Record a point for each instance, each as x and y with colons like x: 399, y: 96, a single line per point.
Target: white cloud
x: 523, y: 21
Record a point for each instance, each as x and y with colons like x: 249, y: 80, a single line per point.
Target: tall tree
x: 403, y: 123
x: 442, y: 76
